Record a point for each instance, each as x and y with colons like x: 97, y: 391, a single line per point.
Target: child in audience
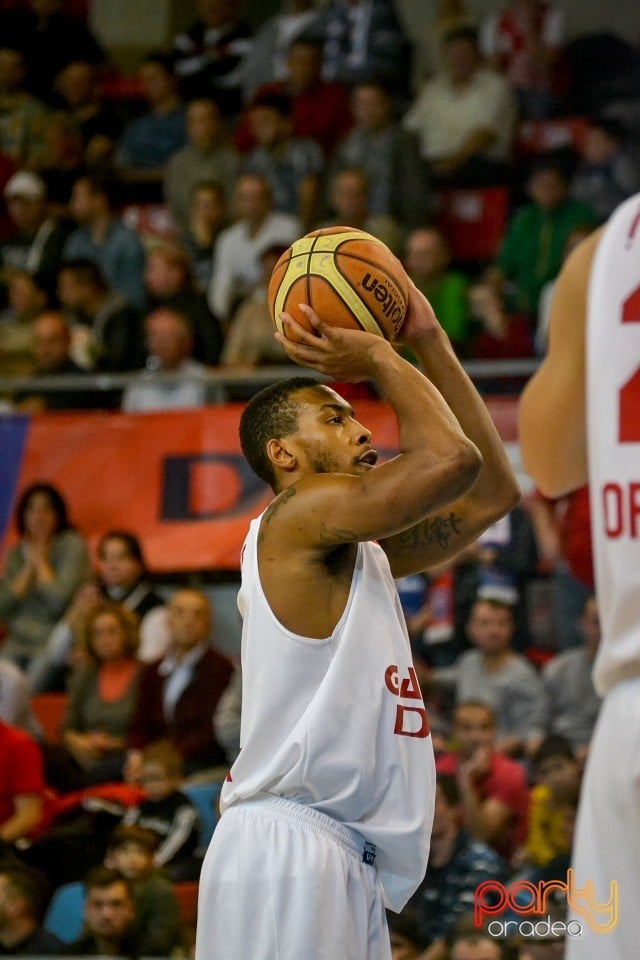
x: 167, y: 812
x: 158, y: 926
x: 553, y: 801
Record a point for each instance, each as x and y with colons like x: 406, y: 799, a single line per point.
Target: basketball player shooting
x: 327, y: 810
x: 579, y: 423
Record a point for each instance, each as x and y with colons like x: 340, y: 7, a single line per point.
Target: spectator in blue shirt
x: 103, y: 238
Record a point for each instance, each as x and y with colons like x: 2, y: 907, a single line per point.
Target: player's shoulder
x: 581, y: 258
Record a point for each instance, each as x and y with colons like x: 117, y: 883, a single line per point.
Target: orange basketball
x: 347, y: 276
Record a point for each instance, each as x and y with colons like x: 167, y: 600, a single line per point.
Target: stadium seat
x: 49, y: 710
x: 541, y: 136
x: 65, y: 912
x: 187, y: 897
x: 205, y: 797
x: 474, y: 221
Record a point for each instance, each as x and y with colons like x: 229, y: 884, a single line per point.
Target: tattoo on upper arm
x: 334, y: 535
x: 438, y: 530
x: 273, y: 508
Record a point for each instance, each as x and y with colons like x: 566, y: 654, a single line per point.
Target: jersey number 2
x: 629, y: 402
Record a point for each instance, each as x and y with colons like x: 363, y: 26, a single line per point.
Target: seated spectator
x: 450, y: 15
x: 406, y: 943
x: 546, y: 294
x: 106, y: 330
x: 158, y: 930
x: 167, y: 812
x: 502, y: 334
x: 169, y: 282
x: 250, y: 341
x: 179, y: 694
x: 532, y: 250
x: 472, y: 944
x: 349, y: 206
x: 60, y: 161
x: 573, y: 703
x: 209, y: 58
x: 42, y: 572
x: 295, y: 20
x: 493, y: 787
x: 207, y: 156
x: 24, y: 894
x: 464, y: 118
x: 52, y: 346
x: 525, y: 41
x: 22, y: 785
x: 50, y: 38
x: 607, y: 172
x: 236, y: 264
x: 494, y: 673
x: 320, y: 110
x: 37, y: 241
x: 206, y: 220
x: 109, y: 917
x: 102, y: 697
x: 427, y: 262
x: 102, y: 237
x: 457, y: 865
x: 170, y: 341
x: 366, y: 38
x: 27, y: 298
x: 78, y: 92
x: 291, y: 165
x: 148, y: 142
x: 388, y: 154
x: 122, y: 578
x: 21, y: 114
x: 554, y: 797
x: 15, y: 693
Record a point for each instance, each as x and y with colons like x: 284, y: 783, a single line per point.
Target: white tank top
x: 339, y: 723
x: 613, y: 418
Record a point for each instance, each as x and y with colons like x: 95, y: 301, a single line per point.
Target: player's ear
x: 281, y: 455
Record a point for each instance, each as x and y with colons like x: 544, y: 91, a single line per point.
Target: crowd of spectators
x: 236, y: 142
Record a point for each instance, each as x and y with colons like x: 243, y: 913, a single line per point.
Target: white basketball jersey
x: 613, y: 417
x: 339, y: 724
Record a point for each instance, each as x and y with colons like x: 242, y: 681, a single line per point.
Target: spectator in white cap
x: 37, y: 239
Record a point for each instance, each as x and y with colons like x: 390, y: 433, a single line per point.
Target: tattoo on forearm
x: 438, y: 530
x: 334, y: 535
x: 273, y: 508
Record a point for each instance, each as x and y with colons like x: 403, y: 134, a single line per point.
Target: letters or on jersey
x: 339, y: 724
x: 613, y: 416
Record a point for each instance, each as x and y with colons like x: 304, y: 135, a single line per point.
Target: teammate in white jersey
x: 579, y: 423
x: 327, y: 810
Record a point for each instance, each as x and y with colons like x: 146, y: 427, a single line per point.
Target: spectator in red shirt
x: 22, y: 785
x: 493, y: 787
x: 321, y: 111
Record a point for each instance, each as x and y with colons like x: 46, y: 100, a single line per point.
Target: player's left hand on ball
x: 342, y: 354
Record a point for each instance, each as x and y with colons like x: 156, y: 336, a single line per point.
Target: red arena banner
x: 177, y: 480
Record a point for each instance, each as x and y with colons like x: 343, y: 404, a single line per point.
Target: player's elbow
x: 468, y: 464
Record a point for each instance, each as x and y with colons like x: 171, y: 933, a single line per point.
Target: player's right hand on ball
x: 349, y: 355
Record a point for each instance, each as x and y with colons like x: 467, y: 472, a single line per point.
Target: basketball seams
x: 350, y: 296
x: 377, y: 266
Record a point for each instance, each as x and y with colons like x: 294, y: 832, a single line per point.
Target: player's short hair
x: 270, y: 415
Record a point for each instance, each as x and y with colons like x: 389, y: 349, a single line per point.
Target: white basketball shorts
x: 606, y: 847
x: 281, y: 881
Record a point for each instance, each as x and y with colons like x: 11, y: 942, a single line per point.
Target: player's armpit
x: 552, y: 408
